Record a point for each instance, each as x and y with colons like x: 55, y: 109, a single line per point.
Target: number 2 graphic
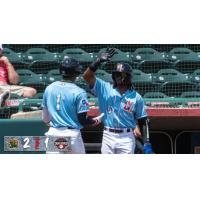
x: 26, y: 145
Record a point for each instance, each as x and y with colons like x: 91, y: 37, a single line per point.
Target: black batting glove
x: 104, y: 57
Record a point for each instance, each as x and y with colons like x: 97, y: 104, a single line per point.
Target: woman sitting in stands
x: 9, y: 80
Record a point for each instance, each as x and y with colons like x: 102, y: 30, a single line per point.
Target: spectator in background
x: 9, y: 80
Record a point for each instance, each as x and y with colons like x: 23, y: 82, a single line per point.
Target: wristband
x: 93, y: 67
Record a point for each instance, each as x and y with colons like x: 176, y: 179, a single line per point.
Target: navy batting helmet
x: 70, y: 66
x: 122, y: 74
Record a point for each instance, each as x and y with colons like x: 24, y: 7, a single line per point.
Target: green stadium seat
x: 43, y: 67
x: 170, y: 75
x: 141, y: 54
x: 81, y: 83
x: 197, y: 87
x: 41, y: 60
x: 149, y: 60
x: 184, y: 59
x: 12, y: 56
x: 40, y: 54
x: 143, y: 82
x: 175, y: 89
x: 155, y: 95
x: 182, y: 54
x: 195, y: 76
x: 53, y: 75
x: 174, y: 82
x: 102, y: 74
x: 190, y: 94
x: 29, y: 78
x: 82, y: 56
x: 139, y: 76
x: 193, y: 47
x: 187, y: 67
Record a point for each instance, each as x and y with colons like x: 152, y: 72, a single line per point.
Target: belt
x: 70, y: 127
x: 113, y: 130
x: 66, y: 127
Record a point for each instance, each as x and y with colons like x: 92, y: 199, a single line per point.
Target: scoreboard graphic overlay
x: 37, y: 143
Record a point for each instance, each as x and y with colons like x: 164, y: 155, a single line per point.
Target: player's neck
x: 122, y: 89
x: 68, y: 80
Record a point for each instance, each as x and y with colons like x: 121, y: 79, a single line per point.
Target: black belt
x: 66, y: 127
x: 70, y: 128
x: 117, y: 130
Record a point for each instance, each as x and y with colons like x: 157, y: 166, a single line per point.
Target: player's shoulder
x: 79, y: 89
x: 50, y: 86
x: 100, y: 81
x: 135, y: 94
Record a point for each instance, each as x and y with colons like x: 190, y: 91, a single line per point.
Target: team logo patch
x: 84, y: 102
x: 128, y: 106
x: 11, y: 144
x: 61, y: 143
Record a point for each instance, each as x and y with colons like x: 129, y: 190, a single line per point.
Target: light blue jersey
x: 121, y: 111
x: 64, y: 101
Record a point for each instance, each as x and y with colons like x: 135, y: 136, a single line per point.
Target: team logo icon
x: 61, y: 143
x: 11, y: 144
x: 128, y: 106
x: 85, y: 102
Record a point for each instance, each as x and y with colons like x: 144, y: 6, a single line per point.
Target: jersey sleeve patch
x: 84, y: 102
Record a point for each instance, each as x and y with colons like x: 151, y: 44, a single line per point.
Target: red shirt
x: 3, y: 71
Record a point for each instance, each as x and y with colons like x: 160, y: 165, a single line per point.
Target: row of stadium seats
x: 95, y: 47
x: 136, y: 56
x: 149, y: 95
x: 147, y: 60
x: 43, y: 67
x: 162, y: 76
x: 169, y: 81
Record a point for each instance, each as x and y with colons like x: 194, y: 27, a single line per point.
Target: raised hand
x: 107, y: 55
x: 104, y: 57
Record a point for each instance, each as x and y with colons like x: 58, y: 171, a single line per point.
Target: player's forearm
x: 143, y: 125
x: 46, y: 116
x: 89, y: 77
x: 86, y: 120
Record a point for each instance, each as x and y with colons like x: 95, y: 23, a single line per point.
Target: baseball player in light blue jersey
x: 65, y: 106
x: 122, y: 106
